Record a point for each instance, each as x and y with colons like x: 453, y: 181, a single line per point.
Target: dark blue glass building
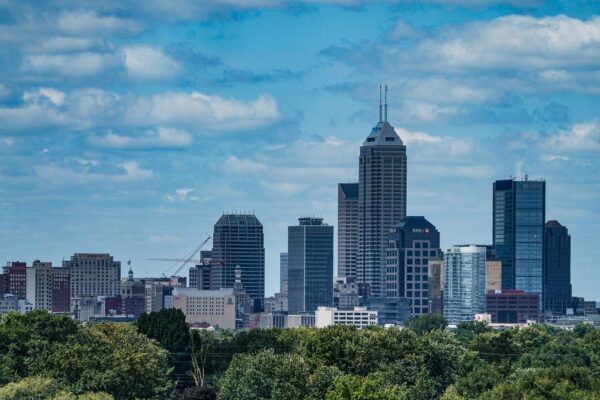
x: 518, y: 233
x: 557, y: 268
x: 310, y: 265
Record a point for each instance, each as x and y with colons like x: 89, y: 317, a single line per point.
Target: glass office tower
x: 310, y: 265
x: 518, y: 232
x: 557, y: 268
x: 464, y: 283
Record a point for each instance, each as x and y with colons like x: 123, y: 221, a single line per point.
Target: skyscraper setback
x: 347, y: 230
x: 518, y: 232
x: 381, y: 200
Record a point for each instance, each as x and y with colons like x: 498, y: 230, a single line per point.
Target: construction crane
x: 184, y: 261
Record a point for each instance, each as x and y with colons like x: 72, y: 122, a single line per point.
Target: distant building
x: 93, y: 275
x: 61, y: 290
x: 300, y: 320
x: 390, y: 311
x: 436, y: 285
x: 310, y: 265
x: 347, y: 230
x: 346, y: 295
x: 493, y: 275
x: 464, y: 283
x: 15, y: 279
x: 11, y: 303
x: 283, y: 272
x: 133, y: 293
x: 39, y: 285
x: 239, y: 240
x: 381, y: 201
x: 209, y: 307
x: 557, y: 268
x: 513, y: 306
x: 412, y: 243
x: 360, y: 317
x: 518, y: 232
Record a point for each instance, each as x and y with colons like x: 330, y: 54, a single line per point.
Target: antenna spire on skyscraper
x: 380, y: 103
x: 385, y: 106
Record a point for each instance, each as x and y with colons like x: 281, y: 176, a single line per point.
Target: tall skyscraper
x: 310, y: 265
x: 557, y: 268
x: 93, y: 275
x: 464, y: 283
x: 347, y: 230
x: 239, y: 240
x: 412, y: 243
x: 381, y: 201
x: 283, y: 272
x: 518, y: 232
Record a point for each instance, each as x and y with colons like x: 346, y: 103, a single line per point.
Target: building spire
x: 380, y: 103
x: 385, y: 106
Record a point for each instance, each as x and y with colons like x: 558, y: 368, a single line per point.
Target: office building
x: 381, y: 201
x: 310, y: 265
x: 518, y: 232
x: 39, y: 285
x: 205, y: 308
x: 390, y: 311
x: 464, y: 283
x: 239, y: 240
x: 11, y: 303
x: 15, y: 279
x: 412, y: 242
x: 346, y: 294
x: 93, y: 275
x: 557, y: 268
x: 61, y: 290
x: 360, y: 317
x: 513, y: 306
x: 436, y: 284
x: 283, y: 272
x: 493, y: 275
x: 347, y: 230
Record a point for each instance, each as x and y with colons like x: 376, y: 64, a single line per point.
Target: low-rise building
x: 513, y: 306
x: 359, y: 317
x: 213, y: 307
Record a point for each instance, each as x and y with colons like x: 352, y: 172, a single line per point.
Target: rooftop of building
x: 383, y: 134
x: 193, y: 292
x: 311, y: 221
x: 415, y: 222
x: 238, y: 219
x: 350, y: 190
x: 553, y: 224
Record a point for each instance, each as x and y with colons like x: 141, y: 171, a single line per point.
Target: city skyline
x: 90, y: 165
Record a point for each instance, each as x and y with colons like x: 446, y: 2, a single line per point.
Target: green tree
x: 467, y: 330
x: 424, y: 323
x: 43, y: 388
x: 583, y: 329
x: 370, y: 387
x: 321, y: 381
x: 265, y: 375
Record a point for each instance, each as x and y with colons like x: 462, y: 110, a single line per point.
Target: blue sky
x: 129, y: 128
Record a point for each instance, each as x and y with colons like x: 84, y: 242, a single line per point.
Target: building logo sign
x: 420, y: 230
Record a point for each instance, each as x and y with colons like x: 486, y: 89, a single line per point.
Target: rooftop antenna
x: 380, y: 104
x: 385, y: 106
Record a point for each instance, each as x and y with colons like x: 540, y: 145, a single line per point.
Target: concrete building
x: 518, y: 232
x: 412, y: 242
x: 11, y: 303
x: 310, y: 265
x: 346, y: 294
x: 347, y: 230
x: 381, y: 201
x: 557, y: 268
x: 360, y: 317
x: 493, y: 275
x: 513, y: 307
x: 239, y: 240
x: 39, y: 285
x: 93, y: 275
x: 15, y: 279
x: 206, y: 307
x: 283, y: 272
x: 435, y: 278
x: 464, y: 283
x: 133, y: 295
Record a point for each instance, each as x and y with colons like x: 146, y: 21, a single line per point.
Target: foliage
x: 370, y: 387
x: 466, y: 331
x: 198, y: 393
x: 37, y: 387
x: 421, y: 324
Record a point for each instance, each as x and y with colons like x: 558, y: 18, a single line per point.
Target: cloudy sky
x: 129, y: 128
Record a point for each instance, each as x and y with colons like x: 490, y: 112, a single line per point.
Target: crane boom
x: 184, y: 261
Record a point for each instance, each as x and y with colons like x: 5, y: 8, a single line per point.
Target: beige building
x: 212, y: 307
x: 436, y: 284
x: 493, y: 275
x: 360, y: 317
x: 39, y: 285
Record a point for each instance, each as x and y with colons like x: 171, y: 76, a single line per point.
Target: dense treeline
x: 49, y: 357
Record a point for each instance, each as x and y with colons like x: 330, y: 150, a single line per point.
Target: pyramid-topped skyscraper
x: 381, y: 200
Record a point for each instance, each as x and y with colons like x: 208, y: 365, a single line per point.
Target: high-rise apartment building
x: 464, y: 283
x: 40, y: 284
x: 93, y: 275
x: 381, y: 201
x: 283, y: 272
x: 518, y: 232
x: 310, y: 265
x: 557, y: 268
x: 347, y: 230
x: 412, y: 243
x: 238, y: 239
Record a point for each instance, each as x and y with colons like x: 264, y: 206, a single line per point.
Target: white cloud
x: 283, y: 189
x: 426, y: 145
x: 181, y: 194
x: 130, y: 171
x: 243, y: 166
x: 55, y: 96
x: 161, y: 137
x: 88, y: 23
x: 71, y: 65
x: 202, y: 111
x: 8, y: 141
x: 146, y: 62
x: 583, y: 136
x: 31, y: 116
x: 60, y: 44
